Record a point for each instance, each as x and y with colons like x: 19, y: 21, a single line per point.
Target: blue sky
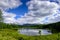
x: 21, y: 10
x: 30, y: 11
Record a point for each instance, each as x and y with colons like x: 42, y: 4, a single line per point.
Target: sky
x: 20, y: 10
x: 30, y: 11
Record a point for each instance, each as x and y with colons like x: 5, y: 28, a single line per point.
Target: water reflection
x: 34, y: 31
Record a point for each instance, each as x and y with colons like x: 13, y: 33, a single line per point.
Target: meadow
x: 12, y: 34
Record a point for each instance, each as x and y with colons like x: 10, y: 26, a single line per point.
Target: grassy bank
x: 11, y: 34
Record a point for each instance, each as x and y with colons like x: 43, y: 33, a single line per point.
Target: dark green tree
x: 1, y: 18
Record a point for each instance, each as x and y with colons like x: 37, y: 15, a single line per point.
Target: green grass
x: 10, y: 34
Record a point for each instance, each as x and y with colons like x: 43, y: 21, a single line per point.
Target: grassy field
x: 11, y: 34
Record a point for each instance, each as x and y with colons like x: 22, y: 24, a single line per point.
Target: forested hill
x: 52, y: 26
x: 40, y: 26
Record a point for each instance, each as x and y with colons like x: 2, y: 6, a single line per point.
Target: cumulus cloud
x: 9, y: 17
x: 43, y: 8
x: 41, y: 12
x: 51, y: 19
x: 9, y: 4
x: 6, y: 4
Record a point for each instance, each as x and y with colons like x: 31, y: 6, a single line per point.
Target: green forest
x: 9, y: 31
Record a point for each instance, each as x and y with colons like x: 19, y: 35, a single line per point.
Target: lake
x: 33, y: 32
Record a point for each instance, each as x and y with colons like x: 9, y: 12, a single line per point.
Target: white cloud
x: 53, y: 19
x: 6, y: 4
x: 43, y: 8
x: 41, y: 12
x: 9, y: 4
x: 9, y: 17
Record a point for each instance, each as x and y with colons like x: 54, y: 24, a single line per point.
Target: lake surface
x: 33, y: 32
